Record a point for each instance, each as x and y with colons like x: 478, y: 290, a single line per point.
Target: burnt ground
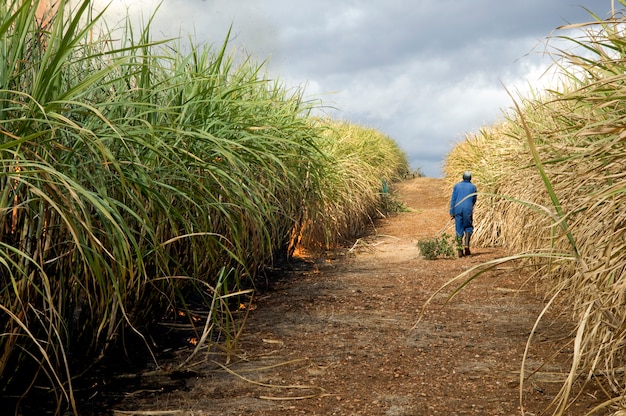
x: 339, y: 335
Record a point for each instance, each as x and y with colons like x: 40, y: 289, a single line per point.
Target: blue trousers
x: 464, y: 223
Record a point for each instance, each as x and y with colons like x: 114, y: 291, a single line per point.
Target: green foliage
x: 458, y: 242
x: 353, y: 186
x: 391, y: 204
x: 123, y: 168
x: 137, y: 173
x: 441, y: 246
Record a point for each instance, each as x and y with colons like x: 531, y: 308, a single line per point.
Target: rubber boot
x: 458, y: 242
x: 467, y: 244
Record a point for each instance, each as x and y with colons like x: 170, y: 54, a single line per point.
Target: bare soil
x: 339, y: 335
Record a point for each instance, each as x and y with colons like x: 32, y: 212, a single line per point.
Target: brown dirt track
x: 339, y: 337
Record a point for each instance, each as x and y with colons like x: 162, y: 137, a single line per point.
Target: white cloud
x: 423, y: 73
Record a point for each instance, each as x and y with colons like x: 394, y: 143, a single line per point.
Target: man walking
x: 462, y: 210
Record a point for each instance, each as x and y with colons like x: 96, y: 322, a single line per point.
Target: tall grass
x: 352, y: 187
x: 136, y: 177
x: 557, y: 196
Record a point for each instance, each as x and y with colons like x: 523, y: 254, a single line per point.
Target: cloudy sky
x: 423, y: 72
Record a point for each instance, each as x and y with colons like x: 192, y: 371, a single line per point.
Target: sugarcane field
x: 183, y: 234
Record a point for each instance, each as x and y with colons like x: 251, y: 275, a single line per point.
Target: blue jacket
x: 460, y: 202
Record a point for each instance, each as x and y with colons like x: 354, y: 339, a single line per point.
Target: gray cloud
x: 423, y: 72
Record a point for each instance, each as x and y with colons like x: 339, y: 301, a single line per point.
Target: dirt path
x: 338, y: 338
